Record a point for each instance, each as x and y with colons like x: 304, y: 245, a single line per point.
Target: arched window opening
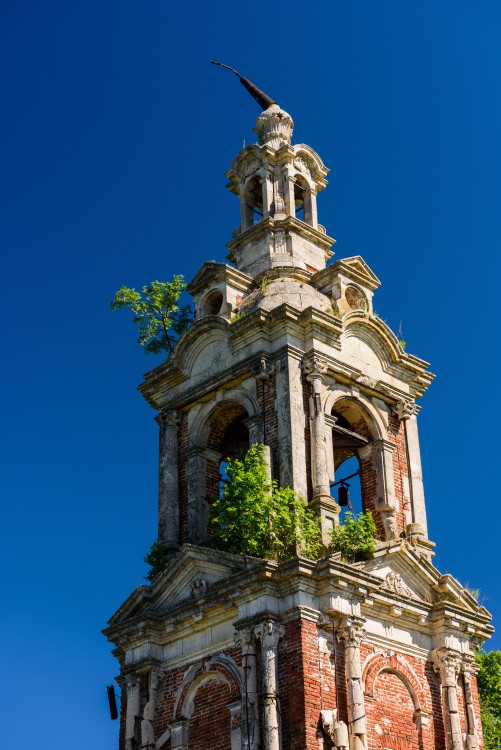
x: 235, y: 440
x: 213, y: 303
x: 228, y: 436
x: 348, y: 494
x: 346, y: 441
x: 253, y: 203
x: 299, y: 199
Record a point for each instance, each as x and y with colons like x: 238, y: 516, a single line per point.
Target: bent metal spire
x: 262, y: 99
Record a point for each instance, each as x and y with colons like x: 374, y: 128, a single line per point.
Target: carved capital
x: 269, y: 633
x: 314, y: 366
x: 156, y: 676
x: 167, y: 418
x: 404, y: 409
x: 245, y: 639
x: 350, y: 631
x: 130, y: 681
x: 448, y: 663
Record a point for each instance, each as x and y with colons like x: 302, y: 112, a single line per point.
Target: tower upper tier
x: 277, y: 184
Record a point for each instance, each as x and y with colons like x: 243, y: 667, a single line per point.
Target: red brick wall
x: 396, y: 434
x: 392, y: 686
x: 267, y: 401
x: 210, y: 722
x: 210, y: 716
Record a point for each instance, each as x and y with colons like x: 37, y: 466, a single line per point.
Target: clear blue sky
x: 115, y: 135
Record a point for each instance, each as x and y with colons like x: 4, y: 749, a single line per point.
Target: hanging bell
x: 343, y: 495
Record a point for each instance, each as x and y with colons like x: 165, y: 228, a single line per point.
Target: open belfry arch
x: 236, y: 653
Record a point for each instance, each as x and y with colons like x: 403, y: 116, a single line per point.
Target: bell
x: 343, y: 495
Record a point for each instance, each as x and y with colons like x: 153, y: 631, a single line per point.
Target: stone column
x: 386, y: 502
x: 406, y: 411
x: 326, y: 508
x: 291, y: 422
x: 133, y: 688
x: 147, y: 731
x: 250, y: 724
x: 269, y: 633
x: 350, y: 633
x: 290, y: 181
x: 198, y: 507
x: 448, y: 663
x: 168, y: 481
x: 468, y: 667
x: 310, y: 208
x: 267, y: 184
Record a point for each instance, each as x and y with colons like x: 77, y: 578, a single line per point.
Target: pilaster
x: 269, y: 633
x: 168, y: 480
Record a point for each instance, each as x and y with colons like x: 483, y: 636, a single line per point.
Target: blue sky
x: 116, y: 133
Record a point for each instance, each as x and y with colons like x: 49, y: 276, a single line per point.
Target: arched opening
x: 391, y: 714
x: 347, y: 489
x: 352, y: 432
x: 212, y: 303
x: 303, y: 201
x: 300, y: 193
x: 228, y: 436
x: 253, y: 203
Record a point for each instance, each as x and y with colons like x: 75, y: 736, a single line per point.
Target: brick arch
x: 209, y: 702
x: 398, y: 666
x: 369, y: 422
x: 202, y: 424
x: 221, y: 668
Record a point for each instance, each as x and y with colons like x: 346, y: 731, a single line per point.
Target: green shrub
x: 254, y: 516
x: 355, y: 537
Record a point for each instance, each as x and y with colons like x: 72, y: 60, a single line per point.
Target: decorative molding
x: 394, y: 582
x: 198, y: 587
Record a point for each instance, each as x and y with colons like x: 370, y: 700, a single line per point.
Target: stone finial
x: 274, y: 127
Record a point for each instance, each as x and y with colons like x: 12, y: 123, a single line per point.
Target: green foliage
x: 255, y: 517
x: 239, y: 315
x: 156, y: 559
x: 402, y: 344
x: 489, y: 690
x: 355, y: 537
x: 157, y: 313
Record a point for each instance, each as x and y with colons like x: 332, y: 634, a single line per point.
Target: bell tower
x: 236, y: 653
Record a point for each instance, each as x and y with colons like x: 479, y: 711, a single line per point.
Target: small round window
x: 355, y: 298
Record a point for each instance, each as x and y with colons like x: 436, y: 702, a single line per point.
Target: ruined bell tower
x: 224, y: 652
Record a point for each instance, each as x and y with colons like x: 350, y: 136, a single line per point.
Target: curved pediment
x: 370, y: 340
x: 203, y: 347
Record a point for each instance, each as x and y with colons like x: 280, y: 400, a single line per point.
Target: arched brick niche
x: 208, y: 703
x: 399, y: 705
